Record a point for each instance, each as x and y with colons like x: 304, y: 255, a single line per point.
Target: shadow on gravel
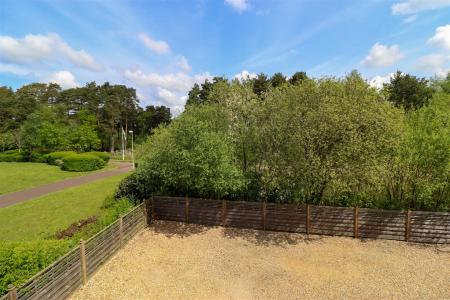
x: 270, y: 238
x: 177, y: 229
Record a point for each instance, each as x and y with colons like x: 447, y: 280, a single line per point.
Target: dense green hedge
x: 82, y: 162
x: 13, y: 156
x: 54, y: 157
x: 21, y: 260
x: 103, y: 155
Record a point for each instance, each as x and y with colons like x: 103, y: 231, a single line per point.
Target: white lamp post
x: 132, y: 148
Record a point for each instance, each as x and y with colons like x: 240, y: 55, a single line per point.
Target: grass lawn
x: 24, y: 175
x: 44, y: 216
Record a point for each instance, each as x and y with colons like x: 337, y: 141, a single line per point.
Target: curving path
x: 24, y: 195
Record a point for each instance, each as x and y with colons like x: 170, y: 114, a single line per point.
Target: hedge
x: 21, y: 260
x: 54, y: 157
x: 103, y: 155
x: 82, y: 162
x: 13, y: 156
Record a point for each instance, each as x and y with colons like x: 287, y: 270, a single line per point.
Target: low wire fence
x: 404, y: 225
x: 69, y: 272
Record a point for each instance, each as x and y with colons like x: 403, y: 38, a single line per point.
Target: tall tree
x: 408, y: 91
x: 261, y: 84
x: 278, y: 79
x: 298, y: 78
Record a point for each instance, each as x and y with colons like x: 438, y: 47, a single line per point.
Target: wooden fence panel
x: 169, y: 208
x: 430, y: 227
x: 244, y: 214
x: 381, y: 224
x: 286, y: 217
x: 205, y: 211
x: 331, y: 220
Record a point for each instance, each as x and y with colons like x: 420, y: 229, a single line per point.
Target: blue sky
x: 162, y: 47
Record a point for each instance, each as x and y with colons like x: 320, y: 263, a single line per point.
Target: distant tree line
x: 327, y: 141
x: 41, y: 116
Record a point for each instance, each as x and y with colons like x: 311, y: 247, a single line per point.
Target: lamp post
x: 132, y: 148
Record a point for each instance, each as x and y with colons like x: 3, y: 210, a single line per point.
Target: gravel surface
x: 177, y: 261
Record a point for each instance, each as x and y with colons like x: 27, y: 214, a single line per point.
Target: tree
x: 261, y: 84
x: 194, y: 95
x: 193, y: 155
x: 82, y: 134
x: 298, y: 78
x: 151, y: 118
x: 278, y: 79
x: 408, y: 91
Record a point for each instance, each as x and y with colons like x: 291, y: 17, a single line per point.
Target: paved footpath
x: 24, y: 195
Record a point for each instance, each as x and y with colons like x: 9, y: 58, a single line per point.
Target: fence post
x: 83, y: 261
x: 224, y: 211
x: 186, y: 209
x: 121, y: 230
x: 264, y: 215
x: 308, y: 218
x: 12, y: 292
x: 153, y: 215
x: 407, y: 225
x: 355, y: 222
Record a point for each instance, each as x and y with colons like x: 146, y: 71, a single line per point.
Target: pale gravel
x: 176, y: 261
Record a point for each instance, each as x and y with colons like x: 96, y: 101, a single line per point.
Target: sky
x: 162, y: 47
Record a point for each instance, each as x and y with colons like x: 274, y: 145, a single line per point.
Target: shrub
x: 82, y: 163
x: 13, y: 156
x: 19, y: 261
x: 135, y: 188
x: 103, y: 155
x: 54, y: 156
x: 37, y: 157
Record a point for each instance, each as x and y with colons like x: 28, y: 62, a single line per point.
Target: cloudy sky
x: 162, y: 47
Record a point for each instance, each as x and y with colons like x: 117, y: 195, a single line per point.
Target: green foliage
x: 278, y: 79
x: 408, y: 91
x: 54, y: 157
x: 103, y: 155
x: 6, y: 141
x: 82, y: 163
x: 21, y: 260
x: 135, y: 187
x: 13, y: 156
x: 298, y: 78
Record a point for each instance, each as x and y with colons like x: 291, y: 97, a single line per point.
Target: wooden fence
x: 414, y: 226
x: 69, y: 272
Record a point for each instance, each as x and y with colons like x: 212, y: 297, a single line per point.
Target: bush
x: 82, y: 163
x: 135, y: 188
x: 37, y: 157
x: 13, y: 156
x: 103, y: 155
x: 54, y: 156
x: 19, y: 261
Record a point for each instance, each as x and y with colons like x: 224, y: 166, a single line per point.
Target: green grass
x: 42, y: 217
x: 18, y: 176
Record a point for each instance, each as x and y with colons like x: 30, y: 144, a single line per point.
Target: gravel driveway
x: 176, y: 261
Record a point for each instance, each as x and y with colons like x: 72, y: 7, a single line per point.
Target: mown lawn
x: 44, y: 216
x: 24, y: 175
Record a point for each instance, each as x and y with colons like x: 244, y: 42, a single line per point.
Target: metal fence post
x: 12, y: 292
x: 83, y: 261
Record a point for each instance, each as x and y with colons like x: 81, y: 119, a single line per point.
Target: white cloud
x: 183, y: 63
x: 64, y: 78
x: 438, y: 64
x: 409, y: 19
x: 382, y: 56
x: 414, y: 6
x: 169, y: 89
x: 441, y: 37
x: 173, y: 81
x: 43, y: 48
x: 239, y: 5
x: 160, y: 47
x: 245, y: 75
x: 378, y: 80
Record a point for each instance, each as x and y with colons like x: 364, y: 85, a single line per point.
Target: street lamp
x: 132, y: 148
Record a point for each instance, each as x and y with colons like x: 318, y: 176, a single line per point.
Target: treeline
x: 328, y: 141
x: 43, y: 117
